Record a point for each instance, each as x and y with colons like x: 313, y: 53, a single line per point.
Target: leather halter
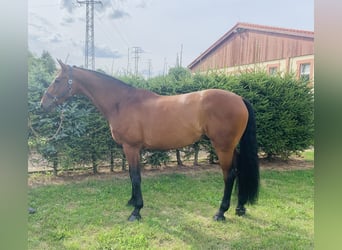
x: 64, y: 93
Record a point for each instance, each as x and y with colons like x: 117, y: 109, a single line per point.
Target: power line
x: 43, y: 5
x: 107, y: 31
x: 123, y: 38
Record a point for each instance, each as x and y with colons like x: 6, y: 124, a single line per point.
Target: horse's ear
x: 63, y: 66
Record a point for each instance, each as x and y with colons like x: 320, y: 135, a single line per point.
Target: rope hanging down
x: 57, y: 131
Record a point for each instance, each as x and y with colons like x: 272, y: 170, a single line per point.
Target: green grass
x: 177, y: 214
x: 308, y: 155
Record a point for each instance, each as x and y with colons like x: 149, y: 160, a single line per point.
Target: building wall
x: 287, y: 65
x: 255, y: 47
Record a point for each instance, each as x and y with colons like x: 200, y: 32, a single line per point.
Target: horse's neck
x: 103, y: 93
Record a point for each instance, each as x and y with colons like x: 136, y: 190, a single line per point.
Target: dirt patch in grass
x: 104, y: 173
x: 290, y: 164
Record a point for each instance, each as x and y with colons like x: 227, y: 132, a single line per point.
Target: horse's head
x: 59, y: 90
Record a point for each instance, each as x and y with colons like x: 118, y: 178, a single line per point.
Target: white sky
x: 158, y: 27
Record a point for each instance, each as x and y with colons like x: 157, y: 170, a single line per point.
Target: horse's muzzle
x: 47, y: 104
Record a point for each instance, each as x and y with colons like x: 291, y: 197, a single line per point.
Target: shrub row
x: 283, y: 106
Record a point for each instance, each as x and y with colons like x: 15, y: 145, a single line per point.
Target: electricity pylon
x: 89, y: 51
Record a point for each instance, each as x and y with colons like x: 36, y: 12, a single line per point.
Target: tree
x: 48, y: 62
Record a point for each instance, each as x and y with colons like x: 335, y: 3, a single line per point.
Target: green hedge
x: 283, y: 106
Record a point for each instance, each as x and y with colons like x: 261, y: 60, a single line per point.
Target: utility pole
x: 136, y: 57
x: 128, y: 63
x: 89, y: 52
x: 165, y: 67
x: 177, y: 61
x: 149, y: 64
x: 181, y: 56
x: 113, y: 66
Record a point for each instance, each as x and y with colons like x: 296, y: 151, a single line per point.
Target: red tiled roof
x: 257, y: 27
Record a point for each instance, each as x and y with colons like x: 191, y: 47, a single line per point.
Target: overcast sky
x: 159, y: 28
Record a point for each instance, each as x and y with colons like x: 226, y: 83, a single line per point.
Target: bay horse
x: 139, y: 118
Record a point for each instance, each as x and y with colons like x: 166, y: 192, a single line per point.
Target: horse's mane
x: 105, y: 76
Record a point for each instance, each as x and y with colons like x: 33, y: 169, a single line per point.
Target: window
x: 272, y: 70
x: 304, y: 71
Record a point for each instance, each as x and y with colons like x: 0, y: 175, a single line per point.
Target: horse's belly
x: 171, y: 138
x: 173, y: 122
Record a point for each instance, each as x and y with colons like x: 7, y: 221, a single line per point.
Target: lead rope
x: 57, y: 131
x: 55, y: 98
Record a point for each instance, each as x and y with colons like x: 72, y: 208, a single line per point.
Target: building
x: 251, y: 46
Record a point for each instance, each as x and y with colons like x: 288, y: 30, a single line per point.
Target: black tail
x: 247, y: 161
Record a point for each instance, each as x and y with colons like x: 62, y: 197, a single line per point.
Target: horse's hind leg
x: 229, y: 174
x: 225, y: 204
x: 133, y: 158
x: 240, y: 209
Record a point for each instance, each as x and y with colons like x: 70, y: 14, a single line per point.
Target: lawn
x: 92, y: 214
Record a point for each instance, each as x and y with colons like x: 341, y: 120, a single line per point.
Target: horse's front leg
x: 131, y: 201
x: 133, y: 158
x: 137, y: 199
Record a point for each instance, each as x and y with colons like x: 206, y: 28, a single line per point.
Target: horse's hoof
x: 31, y: 210
x: 240, y: 211
x: 219, y: 217
x: 134, y: 217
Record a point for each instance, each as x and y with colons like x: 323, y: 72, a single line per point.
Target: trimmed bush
x: 284, y: 112
x: 283, y: 107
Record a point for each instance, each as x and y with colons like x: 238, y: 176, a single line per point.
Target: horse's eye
x: 57, y: 81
